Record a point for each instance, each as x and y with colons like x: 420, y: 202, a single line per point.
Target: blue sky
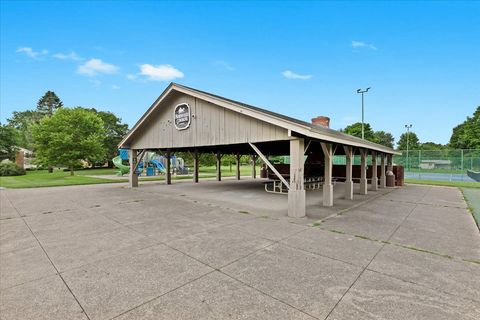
x: 302, y: 59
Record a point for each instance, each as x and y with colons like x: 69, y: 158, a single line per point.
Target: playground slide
x: 159, y: 165
x: 117, y: 161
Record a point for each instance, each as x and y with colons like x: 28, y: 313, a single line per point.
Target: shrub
x: 10, y: 169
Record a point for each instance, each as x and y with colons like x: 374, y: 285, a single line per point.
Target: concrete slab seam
x: 333, y: 215
x: 366, y: 267
x: 48, y: 257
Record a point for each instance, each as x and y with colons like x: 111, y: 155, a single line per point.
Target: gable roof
x: 291, y: 124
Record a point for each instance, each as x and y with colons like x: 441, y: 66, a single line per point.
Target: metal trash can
x: 390, y: 179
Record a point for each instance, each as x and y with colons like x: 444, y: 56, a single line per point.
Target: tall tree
x: 380, y: 137
x: 48, y: 103
x: 384, y: 138
x: 413, y: 142
x: 356, y: 131
x: 115, y: 130
x: 23, y: 121
x: 467, y: 134
x: 8, y: 142
x: 68, y: 136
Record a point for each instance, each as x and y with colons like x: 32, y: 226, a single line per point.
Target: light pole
x: 408, y: 126
x: 362, y: 91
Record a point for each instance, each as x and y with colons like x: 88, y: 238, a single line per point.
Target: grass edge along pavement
x: 472, y: 198
x: 460, y: 184
x: 59, y: 178
x: 37, y: 179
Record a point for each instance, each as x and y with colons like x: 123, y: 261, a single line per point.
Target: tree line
x: 61, y: 136
x: 464, y: 136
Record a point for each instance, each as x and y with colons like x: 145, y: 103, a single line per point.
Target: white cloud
x: 95, y: 66
x: 115, y: 87
x: 360, y: 44
x: 131, y: 77
x: 224, y: 65
x: 164, y: 72
x: 295, y: 76
x: 68, y: 56
x: 31, y: 53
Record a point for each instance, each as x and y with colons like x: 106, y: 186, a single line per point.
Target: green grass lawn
x: 461, y: 184
x: 41, y: 178
x: 96, y: 172
x: 472, y: 197
x: 226, y: 172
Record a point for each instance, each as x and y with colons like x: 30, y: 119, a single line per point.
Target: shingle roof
x: 326, y: 132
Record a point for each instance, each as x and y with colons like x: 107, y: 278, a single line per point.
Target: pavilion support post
x: 168, y: 169
x: 327, y: 183
x: 363, y: 171
x: 296, y: 192
x: 237, y: 160
x: 132, y: 175
x: 195, y: 166
x: 374, y: 172
x: 348, y: 173
x: 219, y: 166
x: 383, y: 178
x: 254, y: 168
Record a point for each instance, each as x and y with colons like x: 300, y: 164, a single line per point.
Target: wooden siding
x: 210, y: 125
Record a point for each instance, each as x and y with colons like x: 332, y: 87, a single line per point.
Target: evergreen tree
x: 47, y: 104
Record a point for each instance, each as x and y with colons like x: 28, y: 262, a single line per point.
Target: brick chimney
x: 321, y: 121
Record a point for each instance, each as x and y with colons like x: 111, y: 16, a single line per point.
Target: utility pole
x: 362, y: 91
x: 408, y: 126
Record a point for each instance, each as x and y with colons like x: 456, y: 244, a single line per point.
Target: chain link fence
x: 440, y: 165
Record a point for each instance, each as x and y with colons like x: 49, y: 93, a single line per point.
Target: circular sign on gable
x: 181, y: 116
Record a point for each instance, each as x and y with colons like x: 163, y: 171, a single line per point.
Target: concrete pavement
x: 219, y: 250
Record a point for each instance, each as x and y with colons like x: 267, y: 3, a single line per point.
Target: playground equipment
x: 151, y: 162
x: 159, y: 165
x: 117, y: 162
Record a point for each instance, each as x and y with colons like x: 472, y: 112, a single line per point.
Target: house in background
x: 436, y: 164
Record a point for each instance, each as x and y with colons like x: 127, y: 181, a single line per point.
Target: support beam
x: 168, y: 178
x: 139, y: 158
x: 348, y: 173
x: 195, y: 166
x: 296, y: 192
x: 237, y: 160
x: 132, y: 175
x: 327, y: 183
x: 383, y: 178
x: 254, y: 168
x: 219, y: 166
x: 363, y: 171
x: 268, y: 163
x: 374, y: 172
